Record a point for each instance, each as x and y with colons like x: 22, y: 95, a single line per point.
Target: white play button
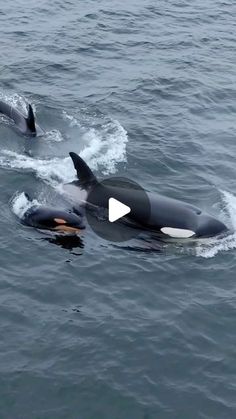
x: 116, y: 210
x: 107, y: 221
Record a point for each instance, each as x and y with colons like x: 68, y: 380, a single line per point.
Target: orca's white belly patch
x: 178, y: 233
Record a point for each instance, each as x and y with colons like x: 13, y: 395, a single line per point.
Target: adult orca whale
x: 26, y: 125
x: 45, y: 218
x: 167, y: 216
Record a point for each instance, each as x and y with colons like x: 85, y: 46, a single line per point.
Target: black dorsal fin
x: 84, y: 173
x: 31, y: 119
x: 27, y: 196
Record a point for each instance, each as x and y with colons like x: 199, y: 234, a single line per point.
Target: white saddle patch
x: 178, y: 233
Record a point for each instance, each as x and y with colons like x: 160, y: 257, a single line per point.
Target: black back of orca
x: 26, y: 125
x: 163, y: 214
x: 53, y: 219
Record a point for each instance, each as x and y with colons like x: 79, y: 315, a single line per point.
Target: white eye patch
x: 177, y: 233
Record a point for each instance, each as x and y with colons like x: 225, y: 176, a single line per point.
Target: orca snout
x: 56, y: 220
x: 210, y: 226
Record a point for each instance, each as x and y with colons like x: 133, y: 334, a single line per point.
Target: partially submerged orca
x: 26, y: 125
x: 167, y: 216
x: 45, y: 218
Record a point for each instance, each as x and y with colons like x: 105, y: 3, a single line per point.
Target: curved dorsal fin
x: 31, y: 119
x: 84, y: 173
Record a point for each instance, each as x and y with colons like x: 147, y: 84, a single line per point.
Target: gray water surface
x: 141, y: 89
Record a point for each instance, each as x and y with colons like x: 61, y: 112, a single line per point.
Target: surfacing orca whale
x: 167, y: 216
x: 45, y: 218
x: 26, y: 125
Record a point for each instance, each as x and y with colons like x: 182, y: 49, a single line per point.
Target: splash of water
x: 105, y: 146
x: 72, y: 120
x: 54, y: 135
x: 52, y: 171
x: 17, y: 101
x: 211, y: 247
x: 20, y: 204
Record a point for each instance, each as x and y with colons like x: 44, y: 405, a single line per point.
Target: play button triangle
x: 116, y: 210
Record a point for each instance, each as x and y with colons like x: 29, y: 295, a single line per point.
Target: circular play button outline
x: 115, y: 209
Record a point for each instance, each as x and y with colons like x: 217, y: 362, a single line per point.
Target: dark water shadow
x: 140, y: 249
x: 145, y: 243
x: 67, y: 242
x: 154, y: 242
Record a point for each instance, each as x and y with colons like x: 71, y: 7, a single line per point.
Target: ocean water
x: 89, y: 329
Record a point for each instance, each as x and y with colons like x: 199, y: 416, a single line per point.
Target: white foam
x: 103, y: 147
x: 20, y: 204
x: 209, y: 248
x: 53, y: 135
x: 52, y: 171
x: 17, y: 101
x: 230, y: 203
x: 73, y: 121
x: 212, y: 248
x: 106, y: 147
x: 102, y: 150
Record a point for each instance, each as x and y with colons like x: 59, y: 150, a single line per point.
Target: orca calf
x: 168, y: 216
x: 26, y: 125
x: 45, y: 218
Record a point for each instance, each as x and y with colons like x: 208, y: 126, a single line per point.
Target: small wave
x: 105, y: 144
x: 20, y: 204
x: 73, y: 121
x: 230, y: 203
x: 211, y: 247
x: 17, y: 101
x: 52, y: 171
x: 53, y: 136
x: 56, y: 170
x: 106, y: 148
